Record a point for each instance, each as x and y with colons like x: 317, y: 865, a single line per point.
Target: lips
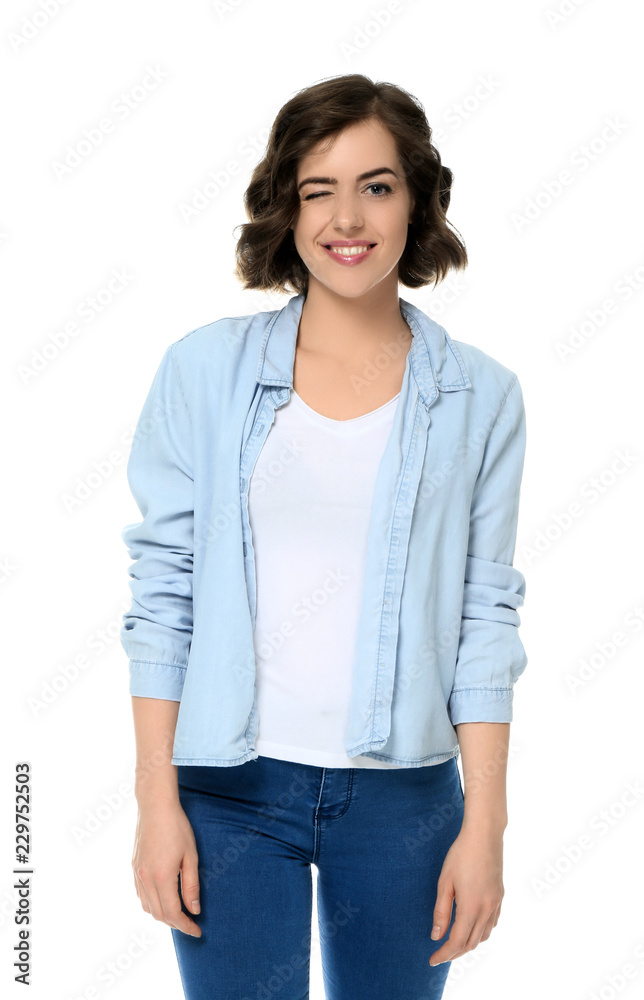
x: 348, y: 260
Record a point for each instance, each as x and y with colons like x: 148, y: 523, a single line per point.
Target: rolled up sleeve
x: 490, y: 654
x: 157, y: 629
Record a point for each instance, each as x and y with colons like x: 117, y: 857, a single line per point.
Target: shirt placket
x: 270, y: 401
x: 374, y: 668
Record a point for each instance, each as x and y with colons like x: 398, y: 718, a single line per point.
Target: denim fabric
x: 437, y: 640
x: 378, y: 839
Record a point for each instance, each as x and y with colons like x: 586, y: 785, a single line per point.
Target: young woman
x: 324, y: 611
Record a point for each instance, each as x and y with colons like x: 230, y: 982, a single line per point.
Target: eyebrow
x: 334, y: 180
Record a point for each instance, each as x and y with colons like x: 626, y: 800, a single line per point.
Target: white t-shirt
x: 309, y: 503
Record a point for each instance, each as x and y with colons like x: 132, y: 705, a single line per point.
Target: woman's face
x: 336, y: 205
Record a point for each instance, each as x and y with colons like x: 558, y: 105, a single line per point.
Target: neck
x: 341, y: 327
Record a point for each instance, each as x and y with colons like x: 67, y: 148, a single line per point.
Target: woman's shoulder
x: 225, y: 330
x: 484, y: 370
x: 227, y: 338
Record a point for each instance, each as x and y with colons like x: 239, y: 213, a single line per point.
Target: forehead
x: 353, y: 149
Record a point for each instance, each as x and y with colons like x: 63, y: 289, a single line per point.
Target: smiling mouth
x: 350, y: 251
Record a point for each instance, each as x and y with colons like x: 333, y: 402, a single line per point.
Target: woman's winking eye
x: 388, y: 190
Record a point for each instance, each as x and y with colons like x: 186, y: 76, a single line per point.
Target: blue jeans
x: 378, y: 838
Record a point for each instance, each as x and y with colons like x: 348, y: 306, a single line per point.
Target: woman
x: 324, y: 605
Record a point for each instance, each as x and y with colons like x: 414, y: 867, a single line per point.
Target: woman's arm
x: 484, y: 755
x: 156, y: 635
x: 490, y: 658
x: 164, y: 844
x: 472, y: 873
x: 490, y: 655
x: 155, y: 721
x: 157, y: 628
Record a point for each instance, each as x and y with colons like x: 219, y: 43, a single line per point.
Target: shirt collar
x: 434, y: 357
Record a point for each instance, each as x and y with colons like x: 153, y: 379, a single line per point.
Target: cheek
x: 305, y: 226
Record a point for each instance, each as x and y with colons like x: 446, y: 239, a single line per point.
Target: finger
x: 190, y: 883
x: 487, y: 930
x: 141, y: 893
x: 172, y: 912
x: 474, y: 938
x: 152, y: 904
x: 491, y: 924
x: 442, y: 910
x: 459, y: 934
x: 133, y: 865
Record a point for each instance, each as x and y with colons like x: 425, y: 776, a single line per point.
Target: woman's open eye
x: 376, y: 184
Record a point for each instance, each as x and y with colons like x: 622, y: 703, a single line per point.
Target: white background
x: 571, y: 920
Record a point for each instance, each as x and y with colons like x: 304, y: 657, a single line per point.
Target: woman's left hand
x: 472, y: 873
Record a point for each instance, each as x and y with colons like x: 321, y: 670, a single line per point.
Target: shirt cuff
x: 481, y: 704
x: 156, y: 680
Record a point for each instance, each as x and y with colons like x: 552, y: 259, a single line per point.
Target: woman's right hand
x: 164, y: 846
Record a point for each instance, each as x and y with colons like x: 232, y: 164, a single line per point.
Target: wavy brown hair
x: 266, y: 255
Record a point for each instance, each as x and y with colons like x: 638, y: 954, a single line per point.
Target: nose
x: 348, y: 212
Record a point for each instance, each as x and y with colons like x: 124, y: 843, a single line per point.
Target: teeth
x: 350, y: 251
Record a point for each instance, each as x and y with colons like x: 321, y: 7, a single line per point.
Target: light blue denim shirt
x: 437, y: 641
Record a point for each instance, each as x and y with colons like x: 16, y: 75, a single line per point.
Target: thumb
x: 442, y: 910
x: 190, y: 884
